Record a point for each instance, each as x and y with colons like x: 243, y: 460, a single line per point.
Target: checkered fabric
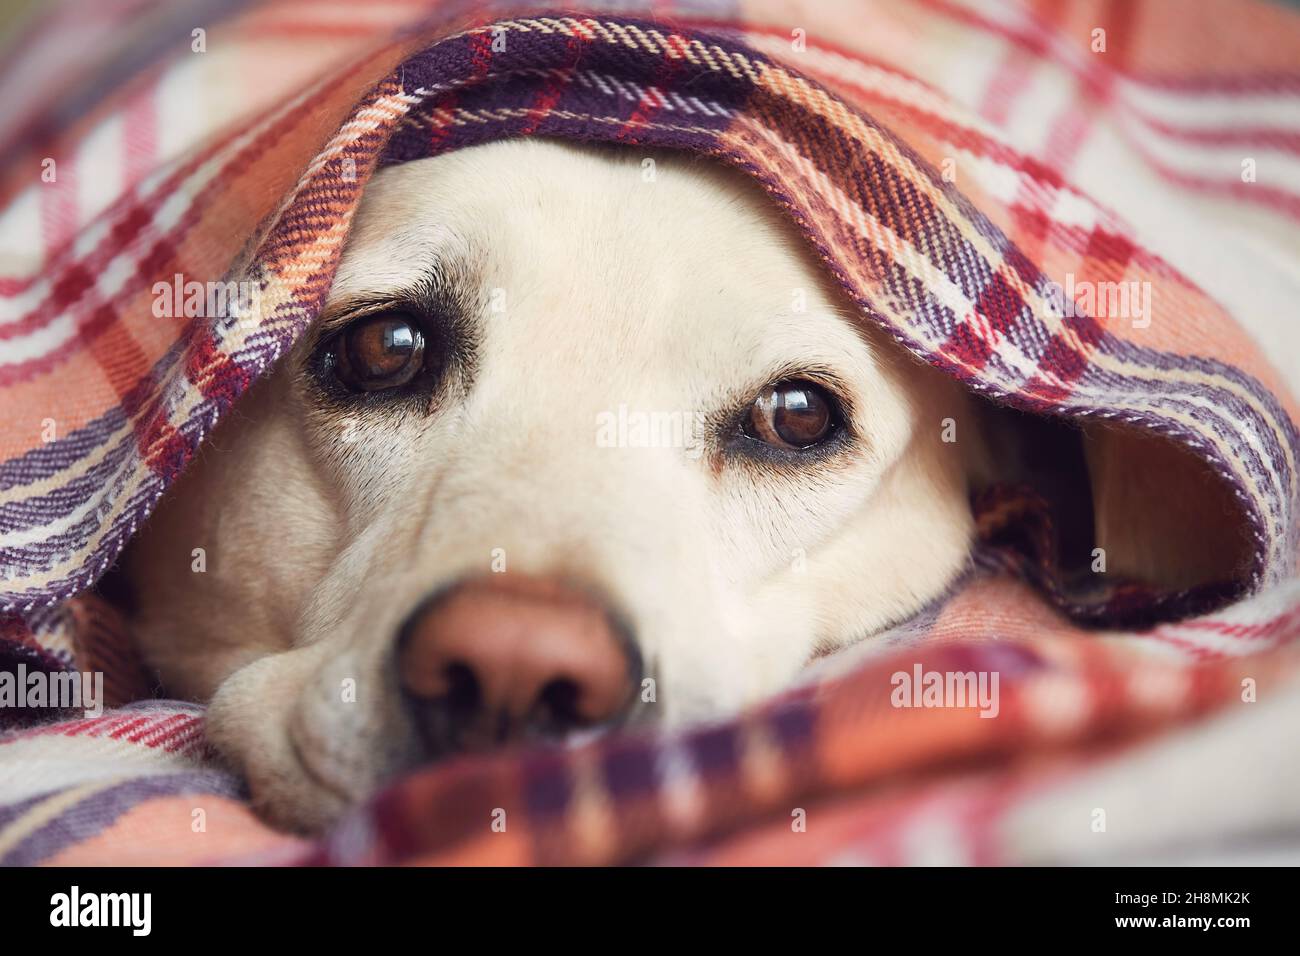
x: 954, y: 164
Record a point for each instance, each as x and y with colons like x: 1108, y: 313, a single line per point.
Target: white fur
x: 680, y: 294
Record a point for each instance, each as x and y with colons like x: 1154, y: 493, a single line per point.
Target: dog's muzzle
x: 498, y: 659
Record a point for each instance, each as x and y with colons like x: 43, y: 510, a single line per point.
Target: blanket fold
x: 1135, y: 574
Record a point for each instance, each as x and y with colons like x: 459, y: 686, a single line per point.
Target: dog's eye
x: 792, y: 415
x: 378, y: 352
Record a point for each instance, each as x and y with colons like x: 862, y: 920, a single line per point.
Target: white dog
x: 570, y: 446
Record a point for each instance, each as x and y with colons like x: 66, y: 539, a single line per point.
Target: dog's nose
x: 503, y: 658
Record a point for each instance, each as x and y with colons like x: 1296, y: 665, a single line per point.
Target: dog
x: 584, y: 437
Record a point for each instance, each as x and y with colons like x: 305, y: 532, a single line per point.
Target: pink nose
x: 500, y: 658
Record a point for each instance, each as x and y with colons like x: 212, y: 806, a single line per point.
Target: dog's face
x: 579, y: 440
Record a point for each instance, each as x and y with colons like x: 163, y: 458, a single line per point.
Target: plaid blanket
x: 968, y: 171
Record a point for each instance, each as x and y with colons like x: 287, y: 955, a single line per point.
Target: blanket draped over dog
x: 1087, y: 211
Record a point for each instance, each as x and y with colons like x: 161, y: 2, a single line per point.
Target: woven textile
x: 963, y: 169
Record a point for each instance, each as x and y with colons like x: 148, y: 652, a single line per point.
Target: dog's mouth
x: 480, y: 667
x: 438, y: 731
x: 329, y: 775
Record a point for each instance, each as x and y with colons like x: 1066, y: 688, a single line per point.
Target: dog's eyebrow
x: 352, y: 305
x: 345, y: 309
x: 737, y: 400
x: 445, y: 288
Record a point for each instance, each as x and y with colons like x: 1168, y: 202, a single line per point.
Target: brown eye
x: 792, y: 415
x: 379, y: 352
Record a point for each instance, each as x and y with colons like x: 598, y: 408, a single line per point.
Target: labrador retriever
x: 578, y: 441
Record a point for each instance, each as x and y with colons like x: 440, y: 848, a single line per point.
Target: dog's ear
x: 1161, y: 513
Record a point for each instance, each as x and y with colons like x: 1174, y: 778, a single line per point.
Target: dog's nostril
x: 559, y: 705
x: 464, y: 697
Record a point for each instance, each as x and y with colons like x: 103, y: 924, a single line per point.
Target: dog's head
x: 583, y: 437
